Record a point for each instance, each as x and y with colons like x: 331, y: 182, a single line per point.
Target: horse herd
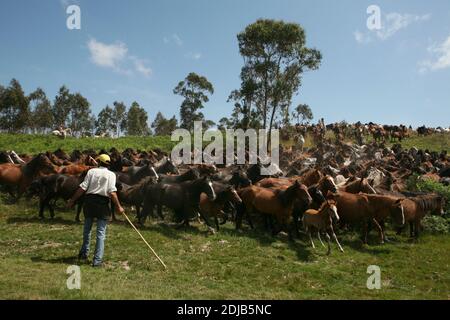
x: 325, y: 188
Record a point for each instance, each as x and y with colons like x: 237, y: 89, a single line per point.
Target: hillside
x: 25, y: 143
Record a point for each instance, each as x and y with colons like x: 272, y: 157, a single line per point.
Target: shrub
x: 433, y: 224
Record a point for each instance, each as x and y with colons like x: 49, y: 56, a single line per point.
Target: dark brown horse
x: 215, y: 208
x: 133, y: 195
x: 21, y: 176
x: 53, y: 187
x: 183, y: 198
x: 134, y: 174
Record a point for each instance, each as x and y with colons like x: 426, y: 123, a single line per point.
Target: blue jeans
x: 100, y: 241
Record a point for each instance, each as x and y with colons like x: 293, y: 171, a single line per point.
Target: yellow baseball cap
x: 104, y: 158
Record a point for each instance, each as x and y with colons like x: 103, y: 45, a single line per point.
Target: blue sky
x: 139, y: 50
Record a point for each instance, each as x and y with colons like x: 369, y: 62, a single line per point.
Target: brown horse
x: 275, y: 182
x: 383, y: 207
x: 322, y: 220
x: 326, y: 184
x: 21, y: 176
x: 417, y: 207
x: 277, y: 203
x: 75, y: 169
x: 310, y: 177
x: 357, y: 186
x: 54, y: 159
x: 364, y: 209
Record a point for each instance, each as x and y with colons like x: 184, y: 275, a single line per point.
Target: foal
x: 322, y: 220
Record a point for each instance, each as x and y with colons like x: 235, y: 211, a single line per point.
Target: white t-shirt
x: 99, y: 181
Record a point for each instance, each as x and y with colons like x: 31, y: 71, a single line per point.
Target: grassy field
x: 434, y: 142
x: 35, y: 254
x: 32, y: 144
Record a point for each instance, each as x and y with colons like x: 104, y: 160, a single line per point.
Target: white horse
x: 101, y: 135
x: 62, y: 133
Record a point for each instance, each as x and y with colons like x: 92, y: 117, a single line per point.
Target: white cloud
x: 140, y: 66
x: 391, y: 23
x: 361, y: 37
x: 107, y: 55
x: 193, y: 55
x: 174, y: 38
x: 115, y: 56
x: 441, y: 57
x: 394, y: 22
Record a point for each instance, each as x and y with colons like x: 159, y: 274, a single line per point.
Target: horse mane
x: 29, y: 169
x: 221, y: 191
x: 161, y: 162
x: 194, y: 171
x: 428, y: 202
x: 287, y: 196
x: 142, y: 184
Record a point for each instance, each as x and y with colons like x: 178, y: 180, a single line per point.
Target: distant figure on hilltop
x: 62, y: 132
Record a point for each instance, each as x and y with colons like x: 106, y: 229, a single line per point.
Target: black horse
x: 134, y: 174
x: 53, y: 187
x: 133, y: 195
x: 118, y: 162
x: 254, y: 172
x: 183, y: 198
x: 235, y: 176
x: 191, y: 174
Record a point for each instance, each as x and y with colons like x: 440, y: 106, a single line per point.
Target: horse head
x: 192, y: 174
x: 366, y: 187
x: 301, y: 192
x: 327, y: 184
x: 166, y: 165
x: 332, y: 207
x: 205, y: 185
x: 232, y: 195
x: 43, y: 163
x: 239, y: 179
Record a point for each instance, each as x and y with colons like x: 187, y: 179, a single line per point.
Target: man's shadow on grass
x: 69, y: 260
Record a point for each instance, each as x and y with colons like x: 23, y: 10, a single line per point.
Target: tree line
x: 35, y: 113
x: 275, y: 57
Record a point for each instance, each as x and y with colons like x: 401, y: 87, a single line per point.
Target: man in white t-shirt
x: 98, y: 188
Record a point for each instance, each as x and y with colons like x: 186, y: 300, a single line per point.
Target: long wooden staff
x: 153, y: 251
